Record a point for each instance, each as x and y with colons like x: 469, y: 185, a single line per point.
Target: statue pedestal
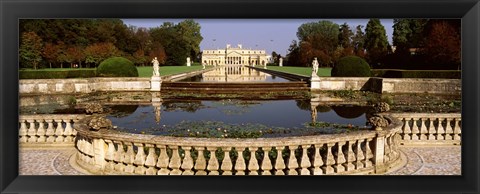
x: 155, y: 83
x: 314, y: 82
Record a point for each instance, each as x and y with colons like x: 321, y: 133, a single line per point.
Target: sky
x: 269, y: 34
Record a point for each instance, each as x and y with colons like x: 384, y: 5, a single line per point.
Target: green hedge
x: 395, y: 73
x: 54, y: 74
x: 117, y: 67
x: 351, y: 66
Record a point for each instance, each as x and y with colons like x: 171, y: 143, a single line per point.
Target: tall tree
x: 318, y: 39
x: 407, y: 33
x: 50, y: 53
x: 30, y: 51
x: 345, y: 36
x: 375, y: 41
x: 190, y: 33
x: 442, y: 45
x: 358, y: 41
x: 96, y: 53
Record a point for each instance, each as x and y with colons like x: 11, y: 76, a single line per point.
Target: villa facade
x: 234, y: 56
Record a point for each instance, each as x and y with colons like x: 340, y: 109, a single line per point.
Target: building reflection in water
x: 234, y: 74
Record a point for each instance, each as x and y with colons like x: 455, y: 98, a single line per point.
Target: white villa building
x: 234, y: 55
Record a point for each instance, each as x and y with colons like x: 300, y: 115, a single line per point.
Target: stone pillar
x: 379, y: 154
x: 314, y: 82
x: 280, y: 62
x: 99, y: 149
x: 155, y: 83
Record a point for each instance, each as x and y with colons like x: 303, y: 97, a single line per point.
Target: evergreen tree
x: 375, y: 41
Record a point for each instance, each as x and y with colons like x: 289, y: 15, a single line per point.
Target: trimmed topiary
x: 117, y: 67
x: 351, y: 66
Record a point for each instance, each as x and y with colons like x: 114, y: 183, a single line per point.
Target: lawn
x: 305, y: 71
x: 166, y: 70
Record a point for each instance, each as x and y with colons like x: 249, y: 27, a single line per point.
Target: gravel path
x: 441, y: 160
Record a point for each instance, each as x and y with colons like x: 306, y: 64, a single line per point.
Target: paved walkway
x: 441, y: 160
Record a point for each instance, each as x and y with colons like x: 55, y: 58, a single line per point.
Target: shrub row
x: 60, y: 74
x: 394, y: 73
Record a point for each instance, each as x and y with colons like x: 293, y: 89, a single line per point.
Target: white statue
x: 280, y: 62
x: 315, y: 66
x: 155, y: 67
x: 203, y: 64
x: 188, y: 62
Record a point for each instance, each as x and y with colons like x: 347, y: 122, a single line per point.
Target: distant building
x: 234, y: 56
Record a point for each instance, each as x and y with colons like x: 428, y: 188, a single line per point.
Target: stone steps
x: 168, y: 87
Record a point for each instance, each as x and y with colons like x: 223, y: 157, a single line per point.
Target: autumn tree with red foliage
x: 442, y: 43
x: 96, y: 53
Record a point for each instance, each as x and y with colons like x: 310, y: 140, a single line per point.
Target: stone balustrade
x: 47, y: 129
x: 430, y: 128
x: 359, y: 152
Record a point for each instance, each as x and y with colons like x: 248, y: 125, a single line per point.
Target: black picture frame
x: 12, y: 11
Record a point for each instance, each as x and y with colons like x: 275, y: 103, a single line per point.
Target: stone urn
x: 98, y: 122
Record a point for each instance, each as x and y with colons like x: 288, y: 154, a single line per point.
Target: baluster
x: 423, y: 128
x: 457, y: 130
x: 350, y: 157
x: 292, y: 161
x: 440, y: 130
x: 253, y: 163
x: 151, y: 160
x: 212, y: 162
x: 41, y: 131
x: 74, y: 132
x: 129, y: 158
x: 59, y: 131
x: 368, y: 153
x: 201, y: 163
x: 140, y: 159
x: 110, y: 155
x: 329, y: 160
x: 449, y: 130
x: 68, y: 130
x: 23, y: 131
x: 227, y: 162
x: 407, y: 130
x: 431, y: 129
x: 118, y: 157
x: 360, y: 156
x: 317, y: 161
x: 340, y: 158
x: 415, y: 130
x: 187, y: 163
x: 266, y: 163
x: 163, y: 160
x: 279, y: 163
x: 240, y: 166
x: 31, y: 132
x: 175, y: 161
x: 305, y: 161
x: 50, y: 131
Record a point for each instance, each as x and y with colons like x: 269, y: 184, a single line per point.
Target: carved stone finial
x: 93, y: 107
x: 381, y: 107
x: 377, y: 122
x: 99, y: 122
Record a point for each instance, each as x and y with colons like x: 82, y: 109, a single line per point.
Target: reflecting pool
x: 234, y: 74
